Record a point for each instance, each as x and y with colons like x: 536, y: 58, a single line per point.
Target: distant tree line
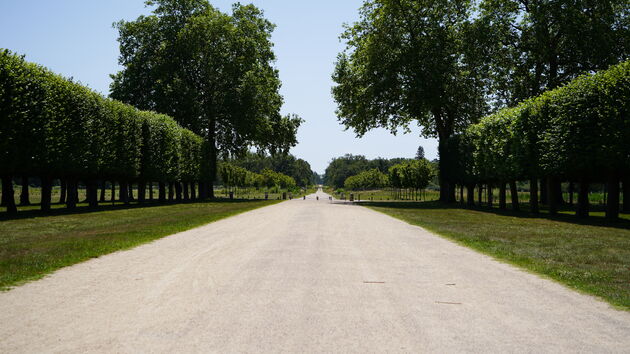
x: 340, y: 168
x: 233, y: 176
x: 287, y: 164
x: 577, y: 133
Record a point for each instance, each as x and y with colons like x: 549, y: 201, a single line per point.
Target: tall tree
x: 412, y: 60
x: 420, y: 153
x: 211, y: 71
x: 536, y: 45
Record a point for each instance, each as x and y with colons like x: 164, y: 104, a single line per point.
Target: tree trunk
x: 552, y: 195
x: 186, y: 194
x: 113, y: 192
x: 212, y: 159
x: 171, y: 191
x: 470, y: 195
x: 161, y: 192
x: 178, y: 191
x: 490, y: 195
x: 571, y: 190
x: 502, y: 196
x: 124, y: 192
x: 447, y: 190
x: 130, y: 189
x: 142, y: 191
x: 480, y: 193
x: 24, y: 199
x: 151, y: 191
x: 557, y: 185
x: 514, y: 195
x: 193, y: 192
x: 46, y: 193
x: 63, y: 184
x: 544, y: 193
x: 8, y: 194
x: 102, y: 196
x: 533, y: 196
x: 583, y: 204
x: 71, y: 190
x: 612, y: 207
x: 626, y: 195
x: 91, y: 188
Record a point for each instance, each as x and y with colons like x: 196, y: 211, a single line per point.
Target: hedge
x: 579, y: 132
x: 53, y: 127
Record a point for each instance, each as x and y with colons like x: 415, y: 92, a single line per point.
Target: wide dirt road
x: 304, y: 276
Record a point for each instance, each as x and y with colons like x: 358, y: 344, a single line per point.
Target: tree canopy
x: 407, y: 61
x: 213, y: 72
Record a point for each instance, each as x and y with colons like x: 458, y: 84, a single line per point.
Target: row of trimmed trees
x: 578, y: 133
x: 56, y: 128
x: 411, y: 175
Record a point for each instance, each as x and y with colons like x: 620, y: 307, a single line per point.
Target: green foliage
x: 579, y: 130
x: 412, y: 174
x: 370, y: 179
x: 340, y: 168
x: 213, y: 72
x: 57, y: 128
x: 287, y: 164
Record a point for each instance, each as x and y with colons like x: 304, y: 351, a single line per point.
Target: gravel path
x: 304, y: 276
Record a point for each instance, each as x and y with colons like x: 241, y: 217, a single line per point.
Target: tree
x: 412, y: 61
x: 539, y: 45
x: 211, y: 71
x: 420, y: 153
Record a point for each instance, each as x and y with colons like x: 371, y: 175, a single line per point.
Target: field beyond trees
x: 592, y: 255
x: 34, y: 245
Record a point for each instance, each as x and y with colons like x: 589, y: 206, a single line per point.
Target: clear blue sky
x: 75, y: 38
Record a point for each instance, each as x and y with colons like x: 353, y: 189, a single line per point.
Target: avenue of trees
x: 578, y: 133
x: 55, y: 128
x: 211, y: 71
x: 446, y: 64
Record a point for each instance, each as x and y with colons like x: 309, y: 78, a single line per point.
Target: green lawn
x: 35, y: 244
x: 592, y: 256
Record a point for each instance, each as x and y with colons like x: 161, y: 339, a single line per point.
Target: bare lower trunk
x: 71, y: 190
x: 514, y: 195
x: 178, y: 191
x: 161, y: 192
x: 502, y: 196
x: 63, y: 191
x: 470, y: 195
x: 490, y: 196
x: 612, y: 206
x: 46, y: 193
x: 24, y: 198
x: 171, y: 191
x: 552, y: 195
x: 193, y: 192
x: 102, y: 196
x: 186, y: 194
x: 533, y: 196
x: 583, y: 203
x: 8, y: 194
x: 626, y: 195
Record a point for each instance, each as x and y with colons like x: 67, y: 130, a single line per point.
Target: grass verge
x: 592, y: 256
x: 31, y: 247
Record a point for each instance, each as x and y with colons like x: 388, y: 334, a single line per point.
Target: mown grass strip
x: 34, y: 245
x: 592, y: 256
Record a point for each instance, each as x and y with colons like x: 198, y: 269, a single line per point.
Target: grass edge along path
x: 593, y: 258
x: 31, y: 248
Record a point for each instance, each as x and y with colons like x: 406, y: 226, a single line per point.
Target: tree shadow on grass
x: 107, y: 206
x: 593, y: 220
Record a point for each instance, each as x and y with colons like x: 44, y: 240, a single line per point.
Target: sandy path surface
x: 304, y: 276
